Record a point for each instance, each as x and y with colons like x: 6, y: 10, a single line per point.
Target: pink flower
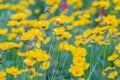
x: 63, y: 6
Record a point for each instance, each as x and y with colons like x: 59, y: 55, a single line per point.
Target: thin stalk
x: 96, y: 64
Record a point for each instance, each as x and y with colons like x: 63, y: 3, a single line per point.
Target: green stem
x: 91, y: 59
x: 64, y: 64
x: 104, y: 54
x: 58, y: 65
x: 95, y: 64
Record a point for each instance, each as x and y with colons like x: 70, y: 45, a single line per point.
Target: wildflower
x: 3, y: 31
x: 29, y: 62
x: 113, y: 74
x: 117, y: 62
x: 112, y: 57
x: 45, y: 65
x: 12, y: 36
x: 76, y: 71
x: 13, y: 71
x: 118, y: 47
x: 2, y: 75
x: 108, y: 68
x: 36, y: 11
x: 47, y: 40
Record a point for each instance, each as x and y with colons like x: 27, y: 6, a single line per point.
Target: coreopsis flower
x: 118, y: 47
x: 12, y: 36
x: 4, y: 6
x: 13, y: 71
x: 1, y: 0
x: 117, y: 8
x: 2, y: 75
x: 47, y: 40
x: 61, y: 33
x: 13, y: 23
x: 66, y: 35
x: 117, y: 62
x: 3, y: 31
x: 79, y: 52
x: 44, y: 24
x: 112, y: 75
x: 45, y: 65
x: 76, y: 71
x: 82, y: 78
x: 37, y: 54
x: 42, y: 57
x: 108, y: 68
x: 78, y: 60
x: 78, y: 4
x: 54, y: 8
x: 29, y: 62
x: 101, y: 4
x: 112, y: 57
x: 109, y: 19
x: 18, y: 30
x: 49, y: 2
x: 18, y: 16
x: 36, y: 11
x: 58, y: 31
x: 70, y: 2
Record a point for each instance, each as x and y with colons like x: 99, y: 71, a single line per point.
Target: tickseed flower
x: 45, y: 65
x: 2, y: 75
x: 76, y: 71
x: 117, y: 62
x: 113, y: 57
x: 3, y: 31
x: 13, y: 71
x: 113, y: 74
x: 29, y: 62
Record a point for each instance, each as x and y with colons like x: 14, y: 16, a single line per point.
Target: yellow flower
x: 18, y: 30
x: 4, y: 6
x: 70, y: 2
x: 54, y: 8
x: 66, y: 35
x: 7, y: 45
x: 45, y: 65
x: 13, y: 71
x: 47, y: 40
x: 19, y: 16
x: 118, y: 47
x: 3, y: 31
x: 13, y: 23
x: 82, y: 78
x: 36, y: 11
x: 110, y: 19
x: 58, y: 31
x: 78, y: 60
x: 79, y: 52
x: 112, y: 57
x: 42, y: 57
x: 101, y: 4
x: 70, y: 27
x: 12, y: 36
x: 76, y: 71
x: 29, y: 62
x: 44, y: 24
x: 51, y: 2
x: 2, y: 75
x: 108, y: 68
x: 117, y: 62
x: 113, y: 74
x: 1, y: 0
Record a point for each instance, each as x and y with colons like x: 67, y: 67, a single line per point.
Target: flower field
x: 59, y: 39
